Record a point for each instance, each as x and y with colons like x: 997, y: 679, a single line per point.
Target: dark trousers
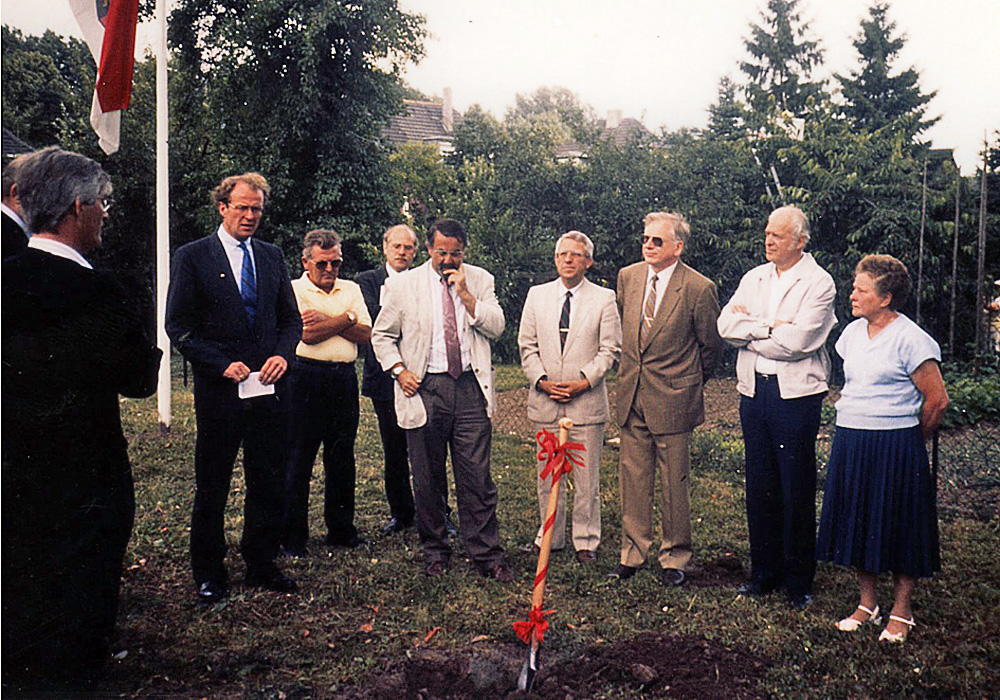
x: 456, y: 422
x: 259, y: 425
x: 779, y: 437
x: 397, y: 467
x: 324, y: 410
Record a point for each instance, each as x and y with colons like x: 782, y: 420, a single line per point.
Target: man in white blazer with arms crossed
x: 433, y: 333
x: 570, y: 336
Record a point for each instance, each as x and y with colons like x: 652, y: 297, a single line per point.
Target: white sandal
x: 897, y: 637
x: 851, y: 624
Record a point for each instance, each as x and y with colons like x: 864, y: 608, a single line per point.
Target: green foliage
x: 874, y: 98
x: 973, y: 397
x: 783, y: 57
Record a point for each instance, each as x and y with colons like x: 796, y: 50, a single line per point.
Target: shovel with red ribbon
x: 559, y: 460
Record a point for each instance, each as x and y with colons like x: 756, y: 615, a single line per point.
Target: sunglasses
x: 324, y: 264
x: 655, y: 240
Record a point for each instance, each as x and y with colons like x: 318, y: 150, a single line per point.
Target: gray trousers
x: 456, y: 422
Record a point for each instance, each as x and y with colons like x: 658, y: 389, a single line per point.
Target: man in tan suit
x: 570, y: 336
x: 669, y: 347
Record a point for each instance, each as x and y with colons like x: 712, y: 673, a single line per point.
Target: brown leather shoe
x: 436, y: 568
x: 499, y: 572
x: 586, y: 556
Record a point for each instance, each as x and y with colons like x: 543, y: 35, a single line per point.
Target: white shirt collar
x: 391, y: 271
x: 663, y: 274
x: 230, y: 242
x: 13, y: 214
x: 574, y: 290
x: 792, y: 273
x: 54, y: 247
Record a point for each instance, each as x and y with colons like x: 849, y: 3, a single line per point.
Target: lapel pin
x: 222, y: 274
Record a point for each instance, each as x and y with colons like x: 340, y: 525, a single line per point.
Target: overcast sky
x: 660, y: 61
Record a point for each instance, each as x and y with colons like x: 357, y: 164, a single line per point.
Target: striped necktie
x: 648, y: 312
x: 248, y: 285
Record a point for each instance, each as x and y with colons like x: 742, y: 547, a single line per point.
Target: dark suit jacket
x: 376, y: 383
x: 72, y: 342
x: 206, y: 320
x: 14, y: 238
x: 679, y: 353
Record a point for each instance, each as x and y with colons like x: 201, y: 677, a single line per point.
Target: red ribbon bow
x: 536, y: 623
x: 559, y: 459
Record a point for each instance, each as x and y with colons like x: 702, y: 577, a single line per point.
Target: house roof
x: 622, y: 134
x: 13, y: 146
x: 422, y: 122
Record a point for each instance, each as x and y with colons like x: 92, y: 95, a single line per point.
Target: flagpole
x: 162, y: 216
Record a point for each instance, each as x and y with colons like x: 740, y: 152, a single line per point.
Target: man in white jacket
x: 779, y: 318
x: 433, y: 334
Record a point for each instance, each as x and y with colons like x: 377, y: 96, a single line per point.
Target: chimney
x: 447, y: 120
x: 614, y: 118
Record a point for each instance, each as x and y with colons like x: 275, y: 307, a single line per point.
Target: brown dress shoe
x: 586, y: 556
x: 436, y: 568
x: 498, y: 572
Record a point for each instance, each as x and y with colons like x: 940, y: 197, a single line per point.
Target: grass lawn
x: 359, y: 611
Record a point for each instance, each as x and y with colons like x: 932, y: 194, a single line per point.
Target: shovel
x: 530, y: 668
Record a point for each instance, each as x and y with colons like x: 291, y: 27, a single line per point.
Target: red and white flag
x: 109, y: 29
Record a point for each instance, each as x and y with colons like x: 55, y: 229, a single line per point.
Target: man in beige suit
x: 669, y: 347
x: 433, y: 334
x: 570, y: 336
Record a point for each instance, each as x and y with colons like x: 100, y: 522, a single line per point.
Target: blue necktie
x: 248, y: 286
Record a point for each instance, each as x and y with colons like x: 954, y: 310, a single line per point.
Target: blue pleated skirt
x: 879, y: 508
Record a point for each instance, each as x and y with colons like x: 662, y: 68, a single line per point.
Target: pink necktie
x: 451, y: 346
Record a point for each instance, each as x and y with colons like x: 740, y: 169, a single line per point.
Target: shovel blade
x: 529, y: 670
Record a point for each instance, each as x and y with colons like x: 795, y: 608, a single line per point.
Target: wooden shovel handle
x: 546, y: 547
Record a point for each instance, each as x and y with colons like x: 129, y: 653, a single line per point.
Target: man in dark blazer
x: 232, y: 313
x: 72, y: 343
x: 399, y: 243
x: 12, y: 226
x: 669, y: 347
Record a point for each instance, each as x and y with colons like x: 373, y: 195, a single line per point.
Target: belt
x: 309, y: 362
x: 766, y: 377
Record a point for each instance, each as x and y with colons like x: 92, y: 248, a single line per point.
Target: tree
x: 558, y: 106
x: 301, y: 91
x: 874, y: 98
x: 782, y: 60
x: 727, y: 117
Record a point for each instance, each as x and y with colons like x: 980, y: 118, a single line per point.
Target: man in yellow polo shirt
x: 324, y: 395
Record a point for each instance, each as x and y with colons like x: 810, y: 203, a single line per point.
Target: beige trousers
x: 643, y: 454
x: 586, y: 482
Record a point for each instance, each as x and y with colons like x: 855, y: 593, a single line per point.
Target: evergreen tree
x: 727, y: 116
x: 874, y: 98
x: 782, y: 60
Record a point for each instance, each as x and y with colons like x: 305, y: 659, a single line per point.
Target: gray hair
x: 800, y: 222
x: 325, y: 239
x: 579, y: 237
x: 399, y: 227
x: 11, y: 172
x: 680, y: 225
x: 52, y: 180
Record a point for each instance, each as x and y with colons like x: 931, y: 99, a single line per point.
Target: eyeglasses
x: 243, y: 209
x: 569, y: 254
x: 324, y: 264
x: 453, y: 254
x: 657, y: 241
x: 106, y: 203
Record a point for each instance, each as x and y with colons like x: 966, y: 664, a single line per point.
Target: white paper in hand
x: 251, y: 386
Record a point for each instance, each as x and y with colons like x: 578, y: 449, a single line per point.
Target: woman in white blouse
x: 879, y: 511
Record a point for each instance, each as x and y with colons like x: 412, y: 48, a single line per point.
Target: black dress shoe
x: 672, y: 577
x: 622, y: 572
x: 212, y: 592
x: 272, y: 580
x: 753, y: 589
x: 799, y: 601
x: 353, y: 542
x: 395, y: 525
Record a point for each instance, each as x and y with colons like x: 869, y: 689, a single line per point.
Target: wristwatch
x: 351, y: 316
x: 397, y: 370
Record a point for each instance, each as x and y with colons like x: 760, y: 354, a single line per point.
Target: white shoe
x: 851, y: 624
x: 897, y: 637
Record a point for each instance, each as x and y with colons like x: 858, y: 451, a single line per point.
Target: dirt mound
x: 725, y: 570
x: 658, y: 665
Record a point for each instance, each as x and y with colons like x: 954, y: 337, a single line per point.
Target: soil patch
x: 726, y: 570
x: 679, y: 667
